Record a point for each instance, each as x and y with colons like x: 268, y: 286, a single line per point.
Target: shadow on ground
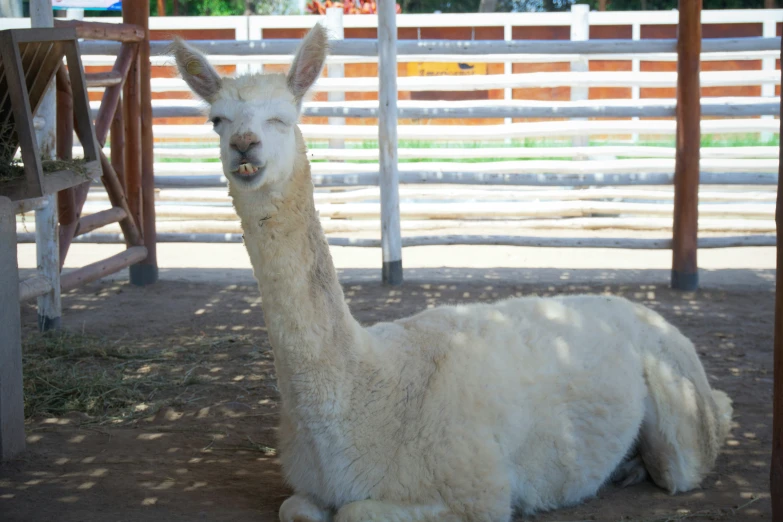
x: 195, y: 440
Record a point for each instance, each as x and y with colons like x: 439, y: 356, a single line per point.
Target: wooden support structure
x: 12, y: 439
x: 46, y: 232
x: 102, y: 31
x: 685, y: 274
x: 391, y: 242
x: 776, y: 468
x: 146, y: 271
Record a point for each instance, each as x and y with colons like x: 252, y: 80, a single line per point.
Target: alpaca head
x: 255, y: 115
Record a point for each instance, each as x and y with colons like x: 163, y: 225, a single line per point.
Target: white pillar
x: 46, y: 222
x: 768, y: 64
x: 391, y: 243
x: 580, y: 31
x: 334, y: 27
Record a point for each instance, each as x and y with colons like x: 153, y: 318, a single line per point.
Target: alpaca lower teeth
x: 247, y: 168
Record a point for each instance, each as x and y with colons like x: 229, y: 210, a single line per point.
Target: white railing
x: 737, y: 177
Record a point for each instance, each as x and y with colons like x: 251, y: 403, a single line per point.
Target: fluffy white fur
x: 459, y: 412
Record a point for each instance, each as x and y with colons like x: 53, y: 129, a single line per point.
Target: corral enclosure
x: 196, y: 436
x: 446, y: 134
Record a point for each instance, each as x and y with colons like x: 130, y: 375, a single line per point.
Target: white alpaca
x: 460, y: 412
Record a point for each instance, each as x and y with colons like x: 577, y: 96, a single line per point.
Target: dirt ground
x: 201, y: 447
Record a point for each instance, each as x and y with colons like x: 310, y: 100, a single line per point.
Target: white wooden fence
x: 193, y: 207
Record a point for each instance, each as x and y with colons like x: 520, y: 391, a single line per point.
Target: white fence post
x: 391, y: 242
x: 768, y: 64
x: 12, y: 439
x: 334, y: 26
x: 508, y: 68
x: 580, y: 31
x: 255, y: 31
x: 242, y: 33
x: 47, y: 239
x: 636, y: 67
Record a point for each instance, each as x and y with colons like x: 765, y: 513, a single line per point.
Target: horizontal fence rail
x: 369, y: 47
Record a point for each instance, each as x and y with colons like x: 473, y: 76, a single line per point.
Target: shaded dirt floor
x: 200, y: 443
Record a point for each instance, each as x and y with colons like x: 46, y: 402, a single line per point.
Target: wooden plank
x: 22, y: 115
x: 539, y: 129
x: 478, y: 240
x: 103, y: 79
x: 103, y: 31
x: 387, y: 143
x: 649, y: 107
x: 548, y: 166
x: 776, y: 465
x: 46, y: 232
x: 65, y: 198
x: 33, y: 287
x: 94, y: 221
x: 81, y: 104
x: 369, y: 47
x: 118, y: 199
x: 27, y: 205
x: 117, y: 137
x: 578, y: 79
x: 111, y: 96
x: 12, y: 437
x: 456, y: 153
x: 685, y: 273
x: 331, y: 226
x: 146, y: 272
x: 94, y: 271
x: 488, y: 178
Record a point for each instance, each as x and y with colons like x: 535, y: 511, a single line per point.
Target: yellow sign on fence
x: 446, y: 69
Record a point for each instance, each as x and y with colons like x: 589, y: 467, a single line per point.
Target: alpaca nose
x: 244, y: 142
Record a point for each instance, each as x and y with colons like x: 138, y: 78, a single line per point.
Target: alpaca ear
x: 309, y: 62
x: 196, y: 70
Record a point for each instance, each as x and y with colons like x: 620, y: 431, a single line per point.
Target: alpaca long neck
x: 310, y: 326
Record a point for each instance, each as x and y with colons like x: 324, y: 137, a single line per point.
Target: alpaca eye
x: 216, y: 121
x: 276, y: 121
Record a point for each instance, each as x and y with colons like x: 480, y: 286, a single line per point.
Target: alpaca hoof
x: 630, y: 473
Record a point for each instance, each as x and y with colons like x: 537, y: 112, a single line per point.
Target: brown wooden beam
x: 111, y: 96
x: 88, y: 273
x: 117, y: 145
x: 103, y: 79
x: 146, y: 272
x: 685, y: 274
x: 65, y: 198
x: 100, y: 219
x: 776, y: 468
x: 103, y: 31
x: 130, y: 227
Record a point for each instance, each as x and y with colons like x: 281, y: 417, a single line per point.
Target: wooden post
x: 146, y: 271
x: 391, y: 243
x: 580, y: 31
x: 776, y: 468
x: 11, y: 402
x: 768, y: 64
x: 334, y: 26
x: 46, y: 219
x: 685, y: 275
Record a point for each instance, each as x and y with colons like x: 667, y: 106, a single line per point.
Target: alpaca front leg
x: 299, y: 508
x: 377, y: 511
